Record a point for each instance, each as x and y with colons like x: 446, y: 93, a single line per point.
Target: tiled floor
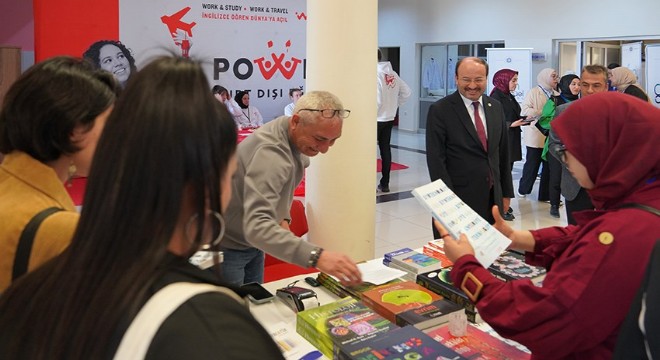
x: 402, y: 222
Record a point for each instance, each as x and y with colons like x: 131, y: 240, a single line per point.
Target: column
x: 342, y: 41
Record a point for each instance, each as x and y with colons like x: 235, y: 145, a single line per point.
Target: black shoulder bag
x: 24, y: 248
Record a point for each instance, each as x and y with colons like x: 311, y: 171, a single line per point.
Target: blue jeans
x: 243, y: 266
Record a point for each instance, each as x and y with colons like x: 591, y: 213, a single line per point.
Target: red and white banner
x: 245, y: 45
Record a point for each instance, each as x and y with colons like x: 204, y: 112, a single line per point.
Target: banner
x: 519, y: 60
x: 245, y: 45
x: 653, y: 73
x: 631, y: 57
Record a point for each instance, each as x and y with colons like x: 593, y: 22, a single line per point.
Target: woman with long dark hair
x: 156, y: 194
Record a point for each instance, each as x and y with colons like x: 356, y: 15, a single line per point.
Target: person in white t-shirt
x: 294, y: 94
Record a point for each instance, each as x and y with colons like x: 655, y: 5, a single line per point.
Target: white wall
x: 520, y: 23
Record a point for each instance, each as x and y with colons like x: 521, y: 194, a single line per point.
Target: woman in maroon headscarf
x: 594, y: 267
x: 506, y: 81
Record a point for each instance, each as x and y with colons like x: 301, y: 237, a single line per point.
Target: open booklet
x: 457, y: 217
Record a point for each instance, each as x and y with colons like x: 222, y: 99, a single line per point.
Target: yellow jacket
x: 27, y: 187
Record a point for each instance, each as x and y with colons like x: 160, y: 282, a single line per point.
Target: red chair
x: 276, y: 269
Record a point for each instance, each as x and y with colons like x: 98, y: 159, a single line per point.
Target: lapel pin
x: 488, y: 104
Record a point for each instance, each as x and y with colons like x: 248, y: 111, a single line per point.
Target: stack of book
x: 404, y: 343
x: 412, y: 262
x: 340, y: 323
x: 436, y: 249
x: 477, y: 344
x: 440, y: 283
x: 407, y: 303
x: 342, y: 291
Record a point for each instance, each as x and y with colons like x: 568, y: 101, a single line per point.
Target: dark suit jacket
x: 455, y: 155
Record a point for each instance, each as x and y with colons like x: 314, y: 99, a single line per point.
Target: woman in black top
x: 506, y: 81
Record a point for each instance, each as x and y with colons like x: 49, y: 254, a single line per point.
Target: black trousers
x: 384, y: 136
x: 533, y: 161
x: 554, y: 182
x: 581, y: 202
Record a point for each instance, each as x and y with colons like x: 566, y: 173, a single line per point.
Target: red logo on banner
x: 180, y: 31
x: 268, y: 68
x: 301, y: 16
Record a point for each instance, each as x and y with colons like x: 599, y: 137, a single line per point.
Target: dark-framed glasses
x: 330, y: 113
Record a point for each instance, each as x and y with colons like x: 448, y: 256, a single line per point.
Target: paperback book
x: 440, y: 283
x: 339, y: 323
x: 404, y: 343
x: 412, y: 261
x: 511, y: 266
x: 457, y: 217
x: 477, y: 344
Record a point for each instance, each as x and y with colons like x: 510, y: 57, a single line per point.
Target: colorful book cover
x: 340, y: 322
x: 392, y: 299
x: 477, y: 345
x: 436, y: 249
x: 414, y: 261
x: 426, y: 316
x: 404, y: 343
x: 511, y: 266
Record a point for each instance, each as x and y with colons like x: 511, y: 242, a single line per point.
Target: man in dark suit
x: 468, y: 149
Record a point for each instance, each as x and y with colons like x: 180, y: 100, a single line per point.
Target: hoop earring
x: 71, y: 171
x: 218, y: 238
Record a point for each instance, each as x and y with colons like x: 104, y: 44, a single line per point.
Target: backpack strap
x: 647, y: 208
x: 138, y: 337
x: 26, y: 240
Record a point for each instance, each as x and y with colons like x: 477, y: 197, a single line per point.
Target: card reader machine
x: 298, y: 298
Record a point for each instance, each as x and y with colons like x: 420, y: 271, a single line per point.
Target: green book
x: 339, y: 323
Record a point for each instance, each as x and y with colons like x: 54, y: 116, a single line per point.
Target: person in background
x: 250, y: 117
x: 467, y: 144
x: 50, y: 122
x: 294, y: 95
x: 569, y: 90
x: 222, y: 95
x: 114, y: 57
x: 391, y: 93
x: 144, y: 216
x: 577, y: 312
x: 625, y: 81
x: 532, y: 106
x: 506, y: 82
x: 271, y: 163
x: 593, y: 80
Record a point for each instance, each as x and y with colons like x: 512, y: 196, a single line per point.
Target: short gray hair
x: 317, y: 100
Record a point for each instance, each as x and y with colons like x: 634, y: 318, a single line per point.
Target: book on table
x: 436, y: 248
x: 407, y: 303
x: 338, y: 323
x: 440, y: 283
x: 457, y: 217
x: 342, y: 291
x: 511, y: 266
x: 412, y: 261
x: 404, y: 343
x: 477, y: 344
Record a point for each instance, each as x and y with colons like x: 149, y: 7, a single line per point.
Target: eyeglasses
x: 330, y: 113
x: 560, y: 150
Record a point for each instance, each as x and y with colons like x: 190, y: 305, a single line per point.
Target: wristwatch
x: 314, y: 257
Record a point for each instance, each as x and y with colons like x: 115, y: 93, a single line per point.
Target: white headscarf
x: 622, y: 77
x: 544, y: 79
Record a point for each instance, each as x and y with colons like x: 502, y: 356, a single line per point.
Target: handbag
x: 137, y: 339
x: 26, y: 240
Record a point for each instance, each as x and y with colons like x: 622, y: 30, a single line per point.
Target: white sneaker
x: 522, y: 196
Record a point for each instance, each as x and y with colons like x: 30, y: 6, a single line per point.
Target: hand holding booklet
x: 457, y: 217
